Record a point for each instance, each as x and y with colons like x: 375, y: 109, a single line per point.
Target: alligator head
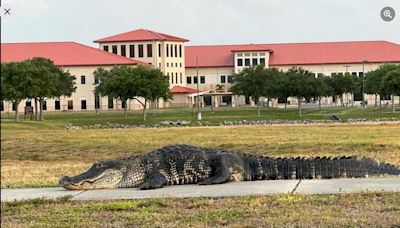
x: 105, y: 174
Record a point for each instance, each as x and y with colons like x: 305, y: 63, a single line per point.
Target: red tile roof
x: 182, y: 89
x: 251, y: 47
x: 63, y: 54
x: 140, y: 35
x: 299, y: 53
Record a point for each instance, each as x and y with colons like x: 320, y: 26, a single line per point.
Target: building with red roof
x: 207, y: 67
x: 80, y: 60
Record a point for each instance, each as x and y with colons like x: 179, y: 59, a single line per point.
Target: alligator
x: 185, y: 164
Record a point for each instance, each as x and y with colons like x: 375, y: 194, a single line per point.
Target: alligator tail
x: 318, y: 167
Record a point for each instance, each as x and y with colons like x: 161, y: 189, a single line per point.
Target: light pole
x: 198, y: 94
x: 363, y: 84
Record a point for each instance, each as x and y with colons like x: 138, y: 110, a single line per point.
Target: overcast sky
x: 201, y: 21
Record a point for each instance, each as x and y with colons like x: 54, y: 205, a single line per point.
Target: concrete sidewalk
x: 330, y: 186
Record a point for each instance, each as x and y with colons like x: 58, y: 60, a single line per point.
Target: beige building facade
x: 200, y: 70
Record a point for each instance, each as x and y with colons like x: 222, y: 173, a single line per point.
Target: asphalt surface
x: 330, y: 186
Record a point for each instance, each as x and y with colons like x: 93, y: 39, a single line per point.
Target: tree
x: 300, y: 84
x: 250, y: 82
x: 281, y: 86
x: 49, y: 81
x: 15, y: 83
x: 390, y: 84
x: 119, y: 83
x: 126, y: 83
x: 350, y: 83
x: 272, y: 77
x: 321, y: 89
x: 152, y: 85
x: 374, y: 78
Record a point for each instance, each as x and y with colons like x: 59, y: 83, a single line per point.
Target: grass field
x: 58, y: 120
x: 39, y: 158
x: 343, y: 210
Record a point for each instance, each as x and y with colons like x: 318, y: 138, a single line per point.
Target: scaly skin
x: 185, y: 164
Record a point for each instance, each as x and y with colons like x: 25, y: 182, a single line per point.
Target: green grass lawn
x: 342, y: 210
x: 58, y: 120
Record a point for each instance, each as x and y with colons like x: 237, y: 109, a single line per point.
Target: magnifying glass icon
x: 386, y: 13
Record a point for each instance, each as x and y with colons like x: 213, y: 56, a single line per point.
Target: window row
x: 359, y: 74
x: 171, y: 50
x: 252, y: 54
x: 132, y: 50
x: 251, y: 62
x: 194, y: 79
x: 172, y: 64
x: 83, y: 80
x: 223, y: 79
x: 173, y: 78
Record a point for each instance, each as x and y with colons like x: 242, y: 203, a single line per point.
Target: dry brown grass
x: 40, y: 158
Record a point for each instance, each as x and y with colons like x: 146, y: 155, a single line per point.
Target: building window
x: 44, y: 105
x: 176, y: 78
x: 132, y: 51
x: 230, y: 79
x: 333, y: 74
x: 255, y: 62
x: 83, y: 79
x: 223, y: 79
x: 159, y: 50
x: 180, y: 64
x: 149, y: 50
x: 354, y: 73
x: 83, y: 104
x: 28, y: 104
x: 247, y: 62
x: 176, y: 50
x: 105, y: 48
x: 172, y: 50
x: 180, y: 50
x: 57, y: 105
x: 195, y: 80
x: 340, y: 74
x: 110, y: 102
x: 202, y: 79
x: 172, y: 78
x: 360, y: 74
x: 180, y: 74
x: 123, y: 50
x: 167, y: 48
x: 96, y: 79
x: 262, y: 61
x: 320, y: 75
x: 14, y: 106
x: 70, y: 105
x: 123, y: 104
x: 159, y: 65
x: 114, y: 49
x: 140, y: 50
x: 97, y: 102
x: 2, y: 106
x: 167, y: 64
x: 240, y: 62
x: 189, y: 80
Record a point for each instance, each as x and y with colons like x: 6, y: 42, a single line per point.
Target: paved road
x: 228, y: 189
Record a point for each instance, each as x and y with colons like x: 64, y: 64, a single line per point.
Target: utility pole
x: 363, y: 84
x: 198, y: 93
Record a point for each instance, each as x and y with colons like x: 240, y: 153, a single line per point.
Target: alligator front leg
x: 156, y: 180
x: 220, y: 172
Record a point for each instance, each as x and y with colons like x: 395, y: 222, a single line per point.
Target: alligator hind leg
x: 220, y: 172
x: 156, y: 180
